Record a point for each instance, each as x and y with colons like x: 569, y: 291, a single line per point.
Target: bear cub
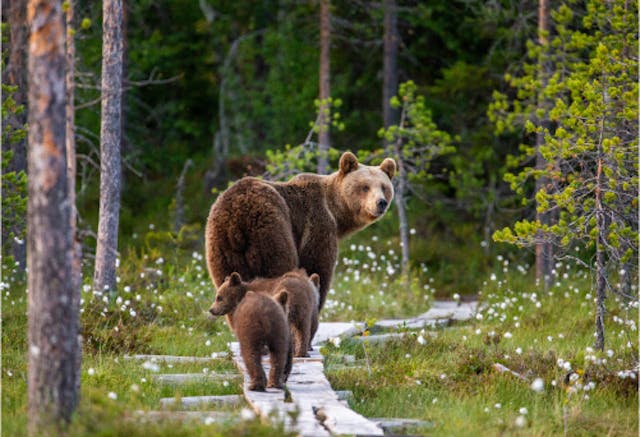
x: 302, y: 305
x: 259, y: 322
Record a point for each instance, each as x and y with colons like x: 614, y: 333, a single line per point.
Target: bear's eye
x: 218, y: 298
x: 365, y: 188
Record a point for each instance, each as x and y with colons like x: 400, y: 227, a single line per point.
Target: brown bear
x: 301, y: 306
x: 265, y: 229
x: 259, y: 322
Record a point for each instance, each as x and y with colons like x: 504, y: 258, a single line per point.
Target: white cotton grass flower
x: 112, y: 395
x: 537, y: 385
x: 521, y: 421
x: 335, y: 341
x: 91, y: 371
x: 421, y: 340
x: 247, y: 414
x: 523, y: 411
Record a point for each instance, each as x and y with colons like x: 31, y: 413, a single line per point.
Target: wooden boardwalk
x: 310, y: 406
x: 316, y: 407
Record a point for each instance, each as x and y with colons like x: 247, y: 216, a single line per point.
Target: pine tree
x: 591, y: 145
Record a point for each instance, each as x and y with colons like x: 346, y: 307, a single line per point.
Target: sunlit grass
x: 443, y: 376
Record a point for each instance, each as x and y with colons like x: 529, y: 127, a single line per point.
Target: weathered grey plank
x: 319, y: 409
x: 192, y: 401
x: 328, y: 330
x: 400, y: 425
x: 185, y: 416
x: 440, y: 312
x: 176, y: 358
x: 185, y: 378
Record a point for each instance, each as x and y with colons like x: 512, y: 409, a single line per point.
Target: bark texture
x: 53, y: 377
x: 390, y: 69
x: 15, y: 74
x: 110, y: 140
x: 324, y: 118
x: 544, y: 250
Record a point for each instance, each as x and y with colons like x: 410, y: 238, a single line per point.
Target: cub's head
x: 367, y: 190
x: 229, y: 295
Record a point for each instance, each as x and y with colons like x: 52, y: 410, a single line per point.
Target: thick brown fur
x: 301, y: 306
x: 259, y: 322
x: 265, y: 229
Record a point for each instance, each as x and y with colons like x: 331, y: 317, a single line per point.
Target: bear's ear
x: 348, y: 163
x: 315, y: 278
x: 389, y: 167
x: 235, y: 279
x: 282, y: 297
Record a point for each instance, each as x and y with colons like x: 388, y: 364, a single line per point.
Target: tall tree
x: 324, y: 116
x: 414, y: 142
x: 15, y: 74
x: 390, y: 69
x: 53, y: 379
x: 593, y: 145
x: 544, y: 249
x: 110, y: 137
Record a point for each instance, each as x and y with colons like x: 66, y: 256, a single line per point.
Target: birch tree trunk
x: 53, y: 377
x: 104, y: 277
x: 544, y: 250
x: 390, y: 70
x: 324, y: 118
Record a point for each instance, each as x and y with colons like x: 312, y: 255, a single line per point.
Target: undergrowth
x: 445, y: 376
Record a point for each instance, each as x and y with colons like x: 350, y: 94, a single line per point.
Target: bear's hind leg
x: 253, y: 361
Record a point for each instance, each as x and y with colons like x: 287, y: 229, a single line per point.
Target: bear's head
x: 229, y: 295
x: 366, y: 190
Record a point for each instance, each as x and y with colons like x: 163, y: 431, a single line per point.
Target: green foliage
x: 14, y: 183
x: 416, y: 140
x: 591, y: 144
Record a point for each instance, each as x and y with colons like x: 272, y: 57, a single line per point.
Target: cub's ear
x: 389, y: 167
x: 235, y: 279
x: 348, y: 163
x: 315, y: 279
x: 282, y: 297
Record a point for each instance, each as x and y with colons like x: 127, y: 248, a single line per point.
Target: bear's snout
x: 382, y: 205
x: 213, y: 311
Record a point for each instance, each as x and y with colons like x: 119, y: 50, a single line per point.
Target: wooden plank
x: 192, y: 401
x: 271, y: 404
x: 176, y: 358
x: 439, y: 313
x: 185, y: 416
x: 320, y: 411
x: 329, y: 330
x: 400, y: 425
x: 186, y: 378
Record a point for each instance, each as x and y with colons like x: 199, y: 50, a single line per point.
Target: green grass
x: 443, y: 376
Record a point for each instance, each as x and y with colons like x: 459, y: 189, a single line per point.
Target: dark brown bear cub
x: 302, y: 304
x: 259, y: 322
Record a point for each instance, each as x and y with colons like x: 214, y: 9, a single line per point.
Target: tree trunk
x: 401, y: 189
x: 76, y: 266
x: 544, y: 249
x: 15, y: 73
x: 390, y: 81
x: 110, y: 137
x: 53, y: 377
x: 324, y: 118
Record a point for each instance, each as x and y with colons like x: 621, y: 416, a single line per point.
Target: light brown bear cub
x: 259, y: 322
x: 302, y: 305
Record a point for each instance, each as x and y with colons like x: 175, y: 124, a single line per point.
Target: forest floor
x: 452, y: 377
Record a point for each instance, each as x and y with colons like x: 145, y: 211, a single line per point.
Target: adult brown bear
x: 265, y: 229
